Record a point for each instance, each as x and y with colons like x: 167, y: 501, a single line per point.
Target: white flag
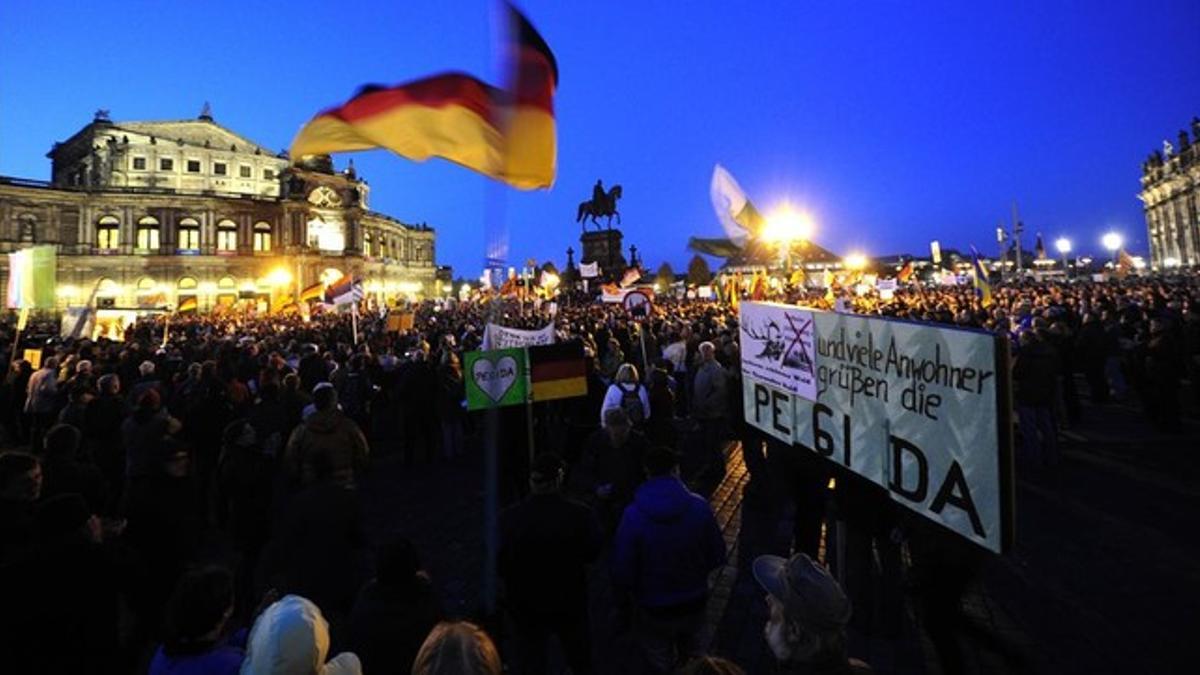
x: 589, y: 270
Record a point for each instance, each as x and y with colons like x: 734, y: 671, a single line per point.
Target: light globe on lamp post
x: 1064, y: 247
x: 785, y: 226
x: 1112, y: 242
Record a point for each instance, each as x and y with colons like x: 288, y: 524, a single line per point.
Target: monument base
x: 604, y: 248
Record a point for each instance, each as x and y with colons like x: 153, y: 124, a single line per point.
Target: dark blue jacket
x: 666, y: 546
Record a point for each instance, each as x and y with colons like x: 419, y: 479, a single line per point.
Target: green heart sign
x: 495, y: 378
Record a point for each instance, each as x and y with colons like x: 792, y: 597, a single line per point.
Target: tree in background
x: 698, y: 272
x: 665, y: 276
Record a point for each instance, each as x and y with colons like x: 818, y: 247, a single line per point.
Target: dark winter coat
x: 666, y: 546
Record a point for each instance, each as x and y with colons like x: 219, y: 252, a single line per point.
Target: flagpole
x: 354, y: 320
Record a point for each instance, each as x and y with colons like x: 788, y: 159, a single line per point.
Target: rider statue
x: 598, y: 195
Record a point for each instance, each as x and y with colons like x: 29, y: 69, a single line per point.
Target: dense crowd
x: 187, y: 501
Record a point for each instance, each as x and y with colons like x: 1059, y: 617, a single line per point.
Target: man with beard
x: 806, y: 630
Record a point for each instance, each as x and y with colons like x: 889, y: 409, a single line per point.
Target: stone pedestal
x: 604, y: 247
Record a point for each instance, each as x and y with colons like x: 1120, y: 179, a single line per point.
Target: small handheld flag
x: 983, y: 288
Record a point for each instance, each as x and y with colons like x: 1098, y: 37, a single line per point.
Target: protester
x: 330, y: 435
x: 627, y: 393
x: 806, y: 630
x: 291, y: 637
x: 395, y: 611
x: 546, y: 544
x: 20, y: 487
x: 458, y: 648
x: 196, y: 640
x: 667, y: 544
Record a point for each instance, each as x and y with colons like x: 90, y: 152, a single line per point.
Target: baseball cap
x: 808, y: 593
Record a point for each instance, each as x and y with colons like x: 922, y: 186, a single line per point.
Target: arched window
x: 108, y: 233
x: 27, y: 228
x: 262, y: 237
x: 145, y: 285
x: 366, y: 245
x: 226, y: 236
x: 147, y: 234
x: 226, y: 282
x: 189, y: 235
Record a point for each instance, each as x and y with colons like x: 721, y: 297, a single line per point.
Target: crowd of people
x: 188, y: 500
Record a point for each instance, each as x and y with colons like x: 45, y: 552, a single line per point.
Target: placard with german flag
x: 557, y: 371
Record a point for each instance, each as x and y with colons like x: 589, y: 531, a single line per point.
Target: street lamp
x: 1112, y: 242
x: 1064, y: 247
x: 786, y: 225
x: 854, y: 261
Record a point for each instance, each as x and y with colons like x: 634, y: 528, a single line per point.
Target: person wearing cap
x: 330, y: 433
x: 806, y: 628
x: 546, y: 544
x: 666, y: 546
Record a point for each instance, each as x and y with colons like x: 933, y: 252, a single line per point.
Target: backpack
x: 631, y: 403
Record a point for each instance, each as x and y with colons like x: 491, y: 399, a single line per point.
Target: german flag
x: 313, y: 292
x: 558, y: 371
x: 186, y: 305
x: 507, y: 134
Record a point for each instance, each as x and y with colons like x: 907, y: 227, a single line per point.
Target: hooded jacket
x: 292, y: 638
x: 332, y: 434
x: 666, y: 546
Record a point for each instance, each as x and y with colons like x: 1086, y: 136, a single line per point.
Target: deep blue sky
x: 893, y: 123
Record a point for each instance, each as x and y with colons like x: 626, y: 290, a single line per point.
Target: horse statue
x: 601, y: 204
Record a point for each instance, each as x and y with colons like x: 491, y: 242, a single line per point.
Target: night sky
x: 892, y: 123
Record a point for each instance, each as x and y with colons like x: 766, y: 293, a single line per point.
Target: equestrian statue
x: 601, y: 204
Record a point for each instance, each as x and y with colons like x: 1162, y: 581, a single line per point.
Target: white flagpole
x: 354, y: 320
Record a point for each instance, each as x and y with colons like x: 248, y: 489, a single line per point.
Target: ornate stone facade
x: 1171, y: 199
x: 135, y: 225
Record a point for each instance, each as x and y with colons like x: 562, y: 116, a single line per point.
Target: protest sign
x: 496, y: 378
x: 496, y: 336
x: 921, y: 410
x: 34, y: 357
x: 777, y: 346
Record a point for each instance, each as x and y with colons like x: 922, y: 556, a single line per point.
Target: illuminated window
x: 226, y: 236
x: 147, y: 234
x: 108, y: 233
x: 367, y: 244
x: 189, y: 235
x: 262, y: 237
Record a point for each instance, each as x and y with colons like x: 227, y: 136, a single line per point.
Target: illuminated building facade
x: 1171, y: 199
x: 147, y: 214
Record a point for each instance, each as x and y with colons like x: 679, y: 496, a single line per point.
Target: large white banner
x: 500, y: 337
x: 777, y: 346
x: 913, y: 408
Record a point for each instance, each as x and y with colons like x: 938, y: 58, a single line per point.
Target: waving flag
x: 630, y: 277
x: 735, y: 212
x: 507, y: 135
x: 314, y: 292
x: 983, y: 288
x: 345, y: 291
x: 905, y: 273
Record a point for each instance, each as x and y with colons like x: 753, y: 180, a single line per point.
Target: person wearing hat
x: 806, y: 629
x: 330, y: 433
x: 546, y: 544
